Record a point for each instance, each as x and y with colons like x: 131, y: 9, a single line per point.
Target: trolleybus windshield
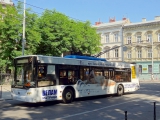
x: 24, y: 73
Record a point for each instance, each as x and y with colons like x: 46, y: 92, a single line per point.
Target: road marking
x: 98, y: 109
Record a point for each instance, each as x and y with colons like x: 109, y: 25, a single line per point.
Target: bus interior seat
x: 63, y: 81
x: 51, y: 77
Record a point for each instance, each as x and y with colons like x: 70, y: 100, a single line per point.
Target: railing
x: 6, y: 78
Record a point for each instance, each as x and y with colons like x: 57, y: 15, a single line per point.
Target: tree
x: 33, y: 35
x: 61, y: 34
x: 9, y: 24
x: 54, y: 35
x: 11, y: 33
x: 85, y: 39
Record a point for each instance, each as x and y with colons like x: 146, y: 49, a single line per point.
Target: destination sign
x: 25, y: 60
x: 22, y: 61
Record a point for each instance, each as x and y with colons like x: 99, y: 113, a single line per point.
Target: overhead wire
x: 46, y: 9
x: 22, y: 19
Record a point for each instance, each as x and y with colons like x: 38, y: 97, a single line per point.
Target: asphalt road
x: 139, y: 106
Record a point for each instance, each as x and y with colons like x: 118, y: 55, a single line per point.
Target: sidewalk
x: 5, y: 92
x: 149, y: 81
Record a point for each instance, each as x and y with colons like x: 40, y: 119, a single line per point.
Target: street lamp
x: 152, y: 61
x: 23, y: 39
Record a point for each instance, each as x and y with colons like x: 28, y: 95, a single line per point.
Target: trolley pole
x: 152, y: 77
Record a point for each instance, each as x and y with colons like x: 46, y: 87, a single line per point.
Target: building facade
x: 6, y: 2
x: 111, y: 37
x: 143, y: 47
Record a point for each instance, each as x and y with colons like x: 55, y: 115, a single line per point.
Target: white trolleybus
x: 39, y: 78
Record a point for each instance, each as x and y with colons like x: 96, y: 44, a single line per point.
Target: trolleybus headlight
x: 27, y: 84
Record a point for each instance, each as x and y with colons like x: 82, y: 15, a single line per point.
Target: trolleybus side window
x: 109, y: 74
x: 106, y: 74
x: 122, y: 75
x: 72, y: 76
x: 91, y: 75
x: 84, y: 73
x: 63, y: 77
x: 68, y: 74
x: 46, y: 75
x: 96, y: 75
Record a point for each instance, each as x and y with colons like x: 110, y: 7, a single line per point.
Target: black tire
x: 67, y: 96
x: 120, y: 90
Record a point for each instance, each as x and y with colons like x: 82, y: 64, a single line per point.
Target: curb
x: 149, y: 81
x: 1, y: 99
x: 8, y: 99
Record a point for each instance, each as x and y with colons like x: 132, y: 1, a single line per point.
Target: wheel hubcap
x: 68, y: 96
x: 120, y: 90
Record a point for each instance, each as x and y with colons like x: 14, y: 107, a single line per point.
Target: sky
x: 99, y: 10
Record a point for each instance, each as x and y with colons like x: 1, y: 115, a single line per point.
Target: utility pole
x: 24, y: 17
x: 152, y: 61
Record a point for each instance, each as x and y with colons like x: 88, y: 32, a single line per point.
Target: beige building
x: 143, y: 42
x: 6, y: 2
x: 111, y: 37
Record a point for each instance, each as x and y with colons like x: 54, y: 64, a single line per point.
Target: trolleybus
x: 39, y: 78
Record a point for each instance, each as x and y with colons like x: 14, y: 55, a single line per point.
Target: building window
x: 138, y: 39
x: 116, y: 37
x: 140, y: 68
x: 116, y: 53
x: 158, y: 37
x: 107, y: 38
x: 149, y: 68
x: 149, y: 38
x: 129, y: 40
x: 149, y: 53
x: 129, y: 54
x: 139, y: 53
x: 107, y: 54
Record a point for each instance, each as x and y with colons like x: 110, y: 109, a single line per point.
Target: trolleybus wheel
x: 120, y: 90
x: 67, y: 96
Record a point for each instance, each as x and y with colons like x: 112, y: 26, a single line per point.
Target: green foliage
x: 53, y: 33
x: 9, y: 25
x: 86, y: 39
x: 11, y: 33
x: 33, y: 36
x: 60, y: 34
